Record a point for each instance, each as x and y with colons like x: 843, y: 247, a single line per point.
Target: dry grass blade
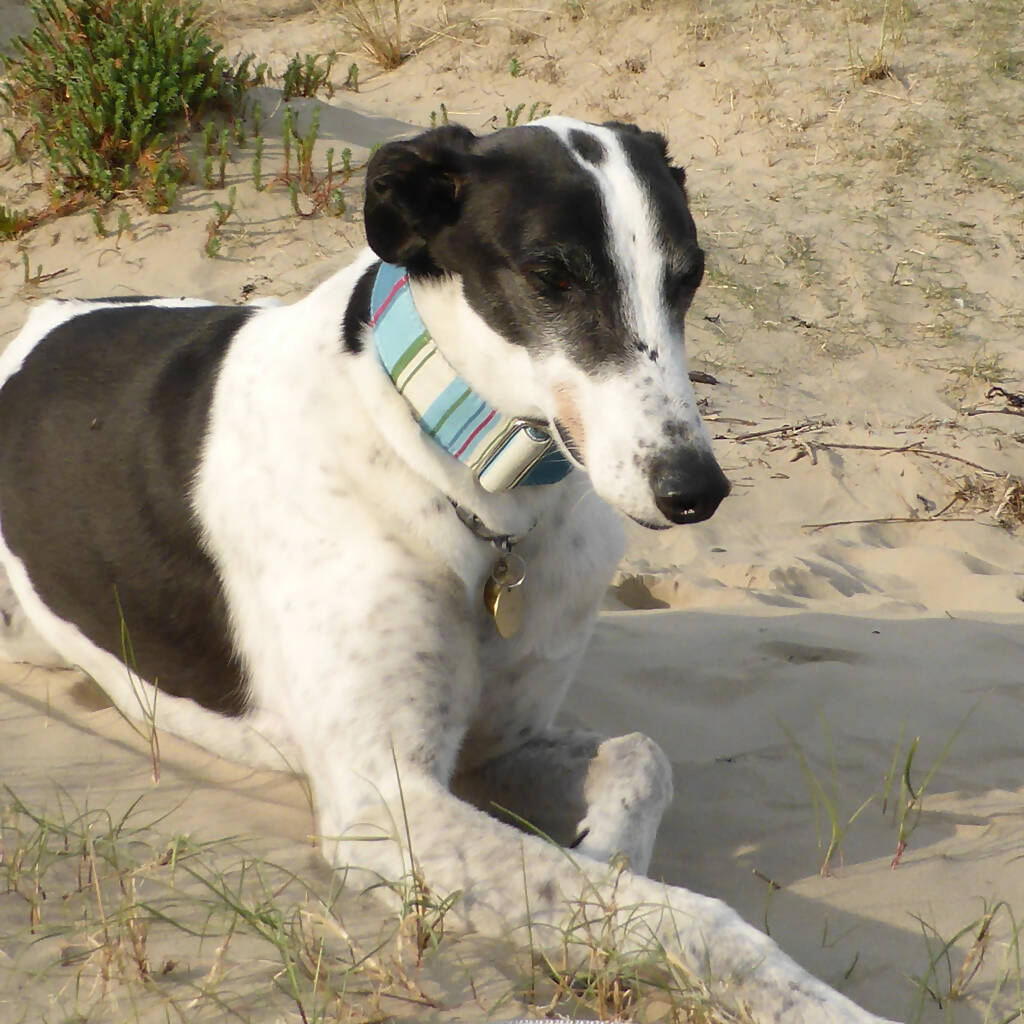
x: 611, y: 965
x: 1003, y: 499
x: 377, y: 25
x: 879, y: 65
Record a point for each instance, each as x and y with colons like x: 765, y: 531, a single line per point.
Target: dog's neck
x: 501, y: 451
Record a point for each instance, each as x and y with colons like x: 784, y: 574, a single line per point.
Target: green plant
x: 223, y: 212
x: 12, y: 222
x: 17, y: 149
x: 257, y: 165
x: 220, y: 217
x: 287, y: 132
x: 140, y: 691
x: 208, y: 172
x: 335, y: 202
x: 306, y: 76
x: 907, y: 810
x: 327, y: 196
x: 242, y: 77
x: 223, y: 153
x: 537, y: 109
x: 324, y: 190
x: 159, y: 180
x: 261, y: 914
x: 943, y: 983
x: 304, y: 151
x: 302, y: 145
x: 826, y: 799
x: 104, y: 81
x: 610, y: 964
x: 293, y: 198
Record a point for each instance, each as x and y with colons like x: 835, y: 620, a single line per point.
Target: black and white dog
x: 372, y: 528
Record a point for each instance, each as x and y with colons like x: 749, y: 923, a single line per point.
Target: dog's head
x: 554, y: 264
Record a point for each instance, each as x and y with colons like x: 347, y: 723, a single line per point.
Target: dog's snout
x: 689, y: 488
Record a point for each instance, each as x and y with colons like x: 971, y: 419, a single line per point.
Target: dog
x: 367, y: 534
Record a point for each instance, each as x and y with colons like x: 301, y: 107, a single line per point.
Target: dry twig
x: 890, y: 519
x: 996, y: 412
x: 786, y: 428
x: 909, y: 449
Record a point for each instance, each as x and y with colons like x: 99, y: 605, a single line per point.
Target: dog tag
x: 503, y: 595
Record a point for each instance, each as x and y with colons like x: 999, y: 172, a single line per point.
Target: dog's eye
x: 682, y: 285
x: 555, y: 280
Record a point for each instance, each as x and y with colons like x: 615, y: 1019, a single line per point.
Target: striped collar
x: 502, y: 451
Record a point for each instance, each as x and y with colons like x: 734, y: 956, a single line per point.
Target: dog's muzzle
x: 688, y: 488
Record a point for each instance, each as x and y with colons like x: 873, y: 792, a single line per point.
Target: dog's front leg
x: 381, y: 681
x: 603, y: 797
x: 520, y: 886
x: 380, y: 727
x: 372, y: 668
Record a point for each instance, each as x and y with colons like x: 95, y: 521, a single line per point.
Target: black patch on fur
x: 414, y: 190
x: 587, y: 147
x: 100, y: 437
x: 358, y: 312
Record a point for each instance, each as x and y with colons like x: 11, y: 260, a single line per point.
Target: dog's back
x: 101, y: 429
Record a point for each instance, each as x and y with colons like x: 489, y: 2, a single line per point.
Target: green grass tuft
x: 306, y: 75
x: 12, y: 222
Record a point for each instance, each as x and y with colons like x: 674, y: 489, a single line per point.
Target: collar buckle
x: 515, y: 457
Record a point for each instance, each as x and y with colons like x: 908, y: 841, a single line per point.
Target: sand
x: 863, y: 586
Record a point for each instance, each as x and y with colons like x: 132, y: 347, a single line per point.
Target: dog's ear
x: 414, y: 189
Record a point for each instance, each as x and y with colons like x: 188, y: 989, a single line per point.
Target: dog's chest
x: 524, y: 679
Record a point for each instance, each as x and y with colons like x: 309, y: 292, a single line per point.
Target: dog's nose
x: 689, y: 488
